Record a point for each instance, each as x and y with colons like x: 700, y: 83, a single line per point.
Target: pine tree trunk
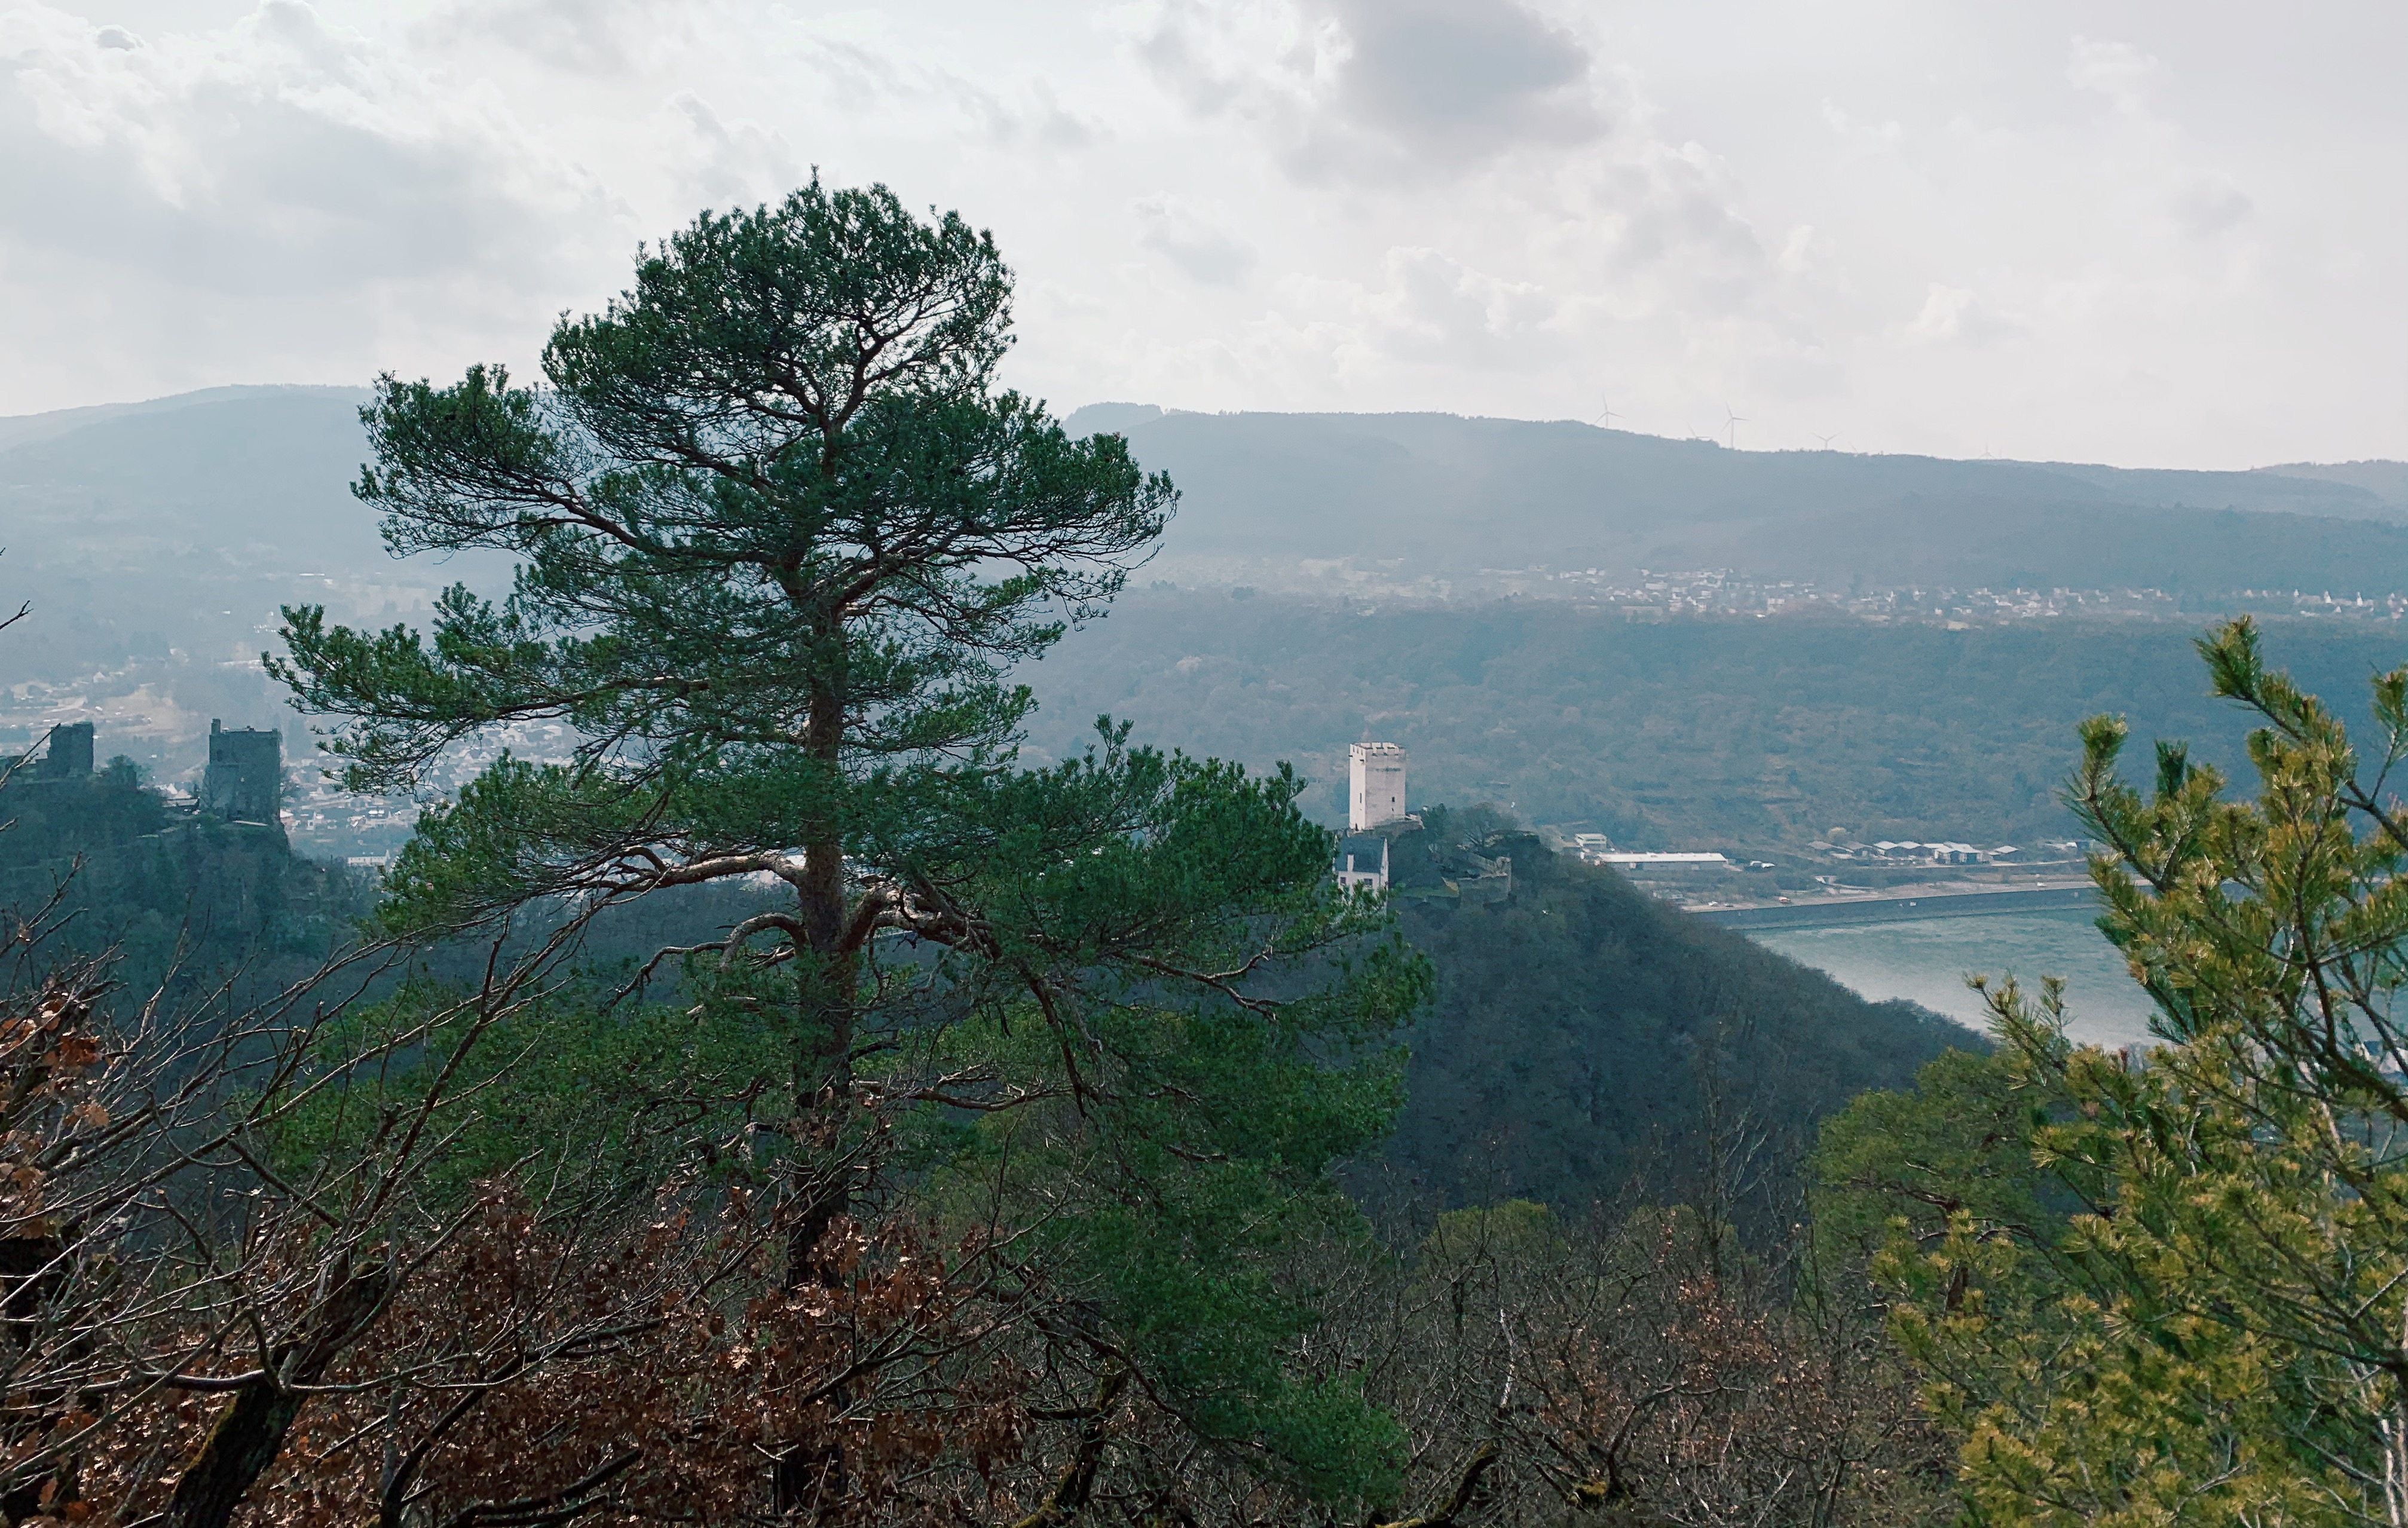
x: 807, y: 1477
x: 2394, y: 1432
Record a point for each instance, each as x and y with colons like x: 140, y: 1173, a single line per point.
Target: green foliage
x: 1184, y: 1027
x: 2127, y: 1363
x: 2213, y: 1331
x: 1190, y: 1263
x: 1167, y: 1161
x: 185, y: 902
x: 613, y: 1101
x: 1958, y: 1142
x: 771, y: 479
x: 51, y: 821
x: 1517, y: 1231
x: 1583, y: 1037
x: 1697, y: 734
x: 782, y: 542
x: 478, y: 853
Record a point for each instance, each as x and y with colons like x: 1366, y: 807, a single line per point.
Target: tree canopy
x: 782, y: 537
x: 2170, y: 1286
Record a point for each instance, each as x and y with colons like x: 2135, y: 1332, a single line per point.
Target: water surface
x: 1927, y: 960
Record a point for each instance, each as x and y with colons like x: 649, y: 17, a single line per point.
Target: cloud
x: 280, y: 179
x: 863, y: 77
x: 892, y: 84
x: 2210, y: 204
x: 590, y: 37
x: 1670, y: 205
x: 279, y: 156
x: 1195, y: 242
x: 1955, y: 316
x: 1885, y: 137
x: 1436, y: 308
x: 730, y: 163
x: 1427, y: 309
x: 1462, y: 78
x: 1382, y: 89
x: 2117, y: 70
x: 1042, y: 120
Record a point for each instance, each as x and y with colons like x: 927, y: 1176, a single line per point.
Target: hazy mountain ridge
x: 156, y: 540
x: 2386, y: 480
x: 22, y: 429
x: 1422, y: 493
x: 243, y: 476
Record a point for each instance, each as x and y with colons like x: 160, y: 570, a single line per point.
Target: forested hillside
x: 183, y: 901
x: 1709, y: 732
x: 1586, y: 1045
x: 160, y: 538
x: 1582, y: 1044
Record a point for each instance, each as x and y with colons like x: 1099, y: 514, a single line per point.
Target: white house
x: 1363, y: 861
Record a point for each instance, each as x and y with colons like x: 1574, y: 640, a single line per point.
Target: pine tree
x: 782, y: 540
x: 2171, y: 1287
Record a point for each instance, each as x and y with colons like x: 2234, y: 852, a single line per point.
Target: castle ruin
x: 69, y: 754
x: 245, y: 780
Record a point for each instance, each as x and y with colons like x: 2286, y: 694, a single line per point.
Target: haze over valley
x: 1203, y: 763
x: 1677, y: 644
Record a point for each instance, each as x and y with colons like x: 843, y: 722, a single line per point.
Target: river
x: 1927, y: 960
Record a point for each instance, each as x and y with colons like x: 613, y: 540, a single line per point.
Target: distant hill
x: 155, y: 542
x: 1265, y: 494
x: 1701, y: 733
x: 241, y: 490
x: 157, y: 539
x: 2386, y: 480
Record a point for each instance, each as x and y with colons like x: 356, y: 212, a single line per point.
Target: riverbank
x: 1902, y: 904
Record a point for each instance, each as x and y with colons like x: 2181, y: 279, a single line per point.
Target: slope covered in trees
x: 1580, y: 1042
x: 165, y: 536
x: 180, y: 898
x: 1708, y: 732
x: 1586, y: 1045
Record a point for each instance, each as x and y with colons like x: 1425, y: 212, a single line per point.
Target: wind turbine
x: 1829, y: 438
x: 1734, y: 420
x: 1608, y: 414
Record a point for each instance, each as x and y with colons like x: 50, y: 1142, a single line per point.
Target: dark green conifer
x: 781, y: 539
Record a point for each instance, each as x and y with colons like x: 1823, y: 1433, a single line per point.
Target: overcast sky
x: 2148, y: 233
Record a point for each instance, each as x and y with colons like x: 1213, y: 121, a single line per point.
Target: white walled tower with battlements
x: 1375, y: 780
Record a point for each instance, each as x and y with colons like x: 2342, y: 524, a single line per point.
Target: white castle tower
x: 1375, y: 778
